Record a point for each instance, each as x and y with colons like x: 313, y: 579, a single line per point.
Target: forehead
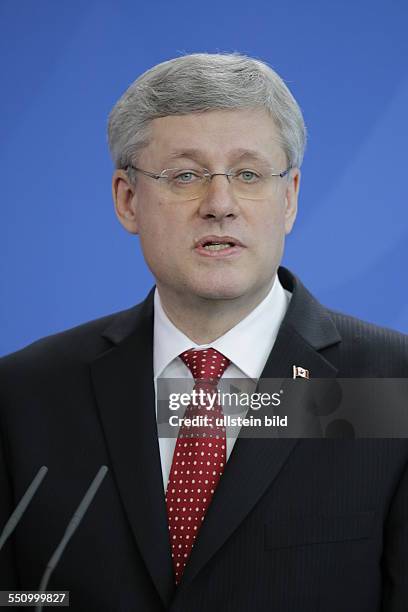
x: 214, y: 135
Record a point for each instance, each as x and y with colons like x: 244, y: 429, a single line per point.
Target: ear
x: 291, y: 199
x: 125, y: 199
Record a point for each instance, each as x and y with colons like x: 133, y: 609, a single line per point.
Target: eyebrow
x: 236, y: 154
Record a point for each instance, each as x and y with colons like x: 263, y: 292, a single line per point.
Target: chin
x: 220, y: 291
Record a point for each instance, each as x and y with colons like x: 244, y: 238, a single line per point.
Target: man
x: 207, y: 150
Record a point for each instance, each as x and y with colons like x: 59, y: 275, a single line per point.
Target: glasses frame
x: 207, y: 174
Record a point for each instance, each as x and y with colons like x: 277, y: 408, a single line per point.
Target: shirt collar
x: 247, y: 345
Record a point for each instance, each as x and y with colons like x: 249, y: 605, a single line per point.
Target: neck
x: 204, y: 320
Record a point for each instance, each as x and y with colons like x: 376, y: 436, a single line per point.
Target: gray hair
x: 203, y: 82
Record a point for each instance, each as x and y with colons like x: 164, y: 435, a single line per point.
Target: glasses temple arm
x: 146, y: 172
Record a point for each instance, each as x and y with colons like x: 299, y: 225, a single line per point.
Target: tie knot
x: 207, y: 364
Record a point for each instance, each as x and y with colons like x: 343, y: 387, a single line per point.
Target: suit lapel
x: 255, y: 463
x: 124, y: 389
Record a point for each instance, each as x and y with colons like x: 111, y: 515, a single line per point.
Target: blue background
x: 64, y: 257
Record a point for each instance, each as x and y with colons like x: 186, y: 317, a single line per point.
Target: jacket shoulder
x: 371, y: 349
x: 79, y: 344
x: 350, y: 326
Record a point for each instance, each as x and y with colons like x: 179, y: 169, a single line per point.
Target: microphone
x: 22, y: 506
x: 71, y: 528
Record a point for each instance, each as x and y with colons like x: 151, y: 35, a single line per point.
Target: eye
x: 187, y: 176
x: 248, y: 176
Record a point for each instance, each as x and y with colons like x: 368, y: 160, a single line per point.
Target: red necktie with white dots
x: 199, y: 458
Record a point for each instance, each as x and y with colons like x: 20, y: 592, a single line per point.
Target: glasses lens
x: 185, y: 184
x: 251, y: 185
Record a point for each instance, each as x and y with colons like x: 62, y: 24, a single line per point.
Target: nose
x: 219, y: 201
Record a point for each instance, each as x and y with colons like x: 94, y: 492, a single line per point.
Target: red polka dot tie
x: 199, y: 457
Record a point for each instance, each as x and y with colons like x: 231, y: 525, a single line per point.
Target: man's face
x: 173, y: 230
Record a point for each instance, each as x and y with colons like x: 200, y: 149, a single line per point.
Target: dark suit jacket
x: 294, y: 526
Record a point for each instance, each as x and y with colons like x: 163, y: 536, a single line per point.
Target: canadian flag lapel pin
x: 299, y: 372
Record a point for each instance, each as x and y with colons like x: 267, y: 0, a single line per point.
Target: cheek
x: 151, y: 213
x: 270, y: 225
x: 269, y: 237
x: 161, y: 233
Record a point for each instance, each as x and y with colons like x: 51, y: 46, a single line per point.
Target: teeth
x: 217, y: 246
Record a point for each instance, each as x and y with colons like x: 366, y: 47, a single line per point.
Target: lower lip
x: 221, y: 254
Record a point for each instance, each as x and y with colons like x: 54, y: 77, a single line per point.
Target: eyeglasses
x: 186, y: 184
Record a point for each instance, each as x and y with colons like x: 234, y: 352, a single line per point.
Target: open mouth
x: 218, y: 245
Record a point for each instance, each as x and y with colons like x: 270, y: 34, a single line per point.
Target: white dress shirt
x: 247, y: 345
